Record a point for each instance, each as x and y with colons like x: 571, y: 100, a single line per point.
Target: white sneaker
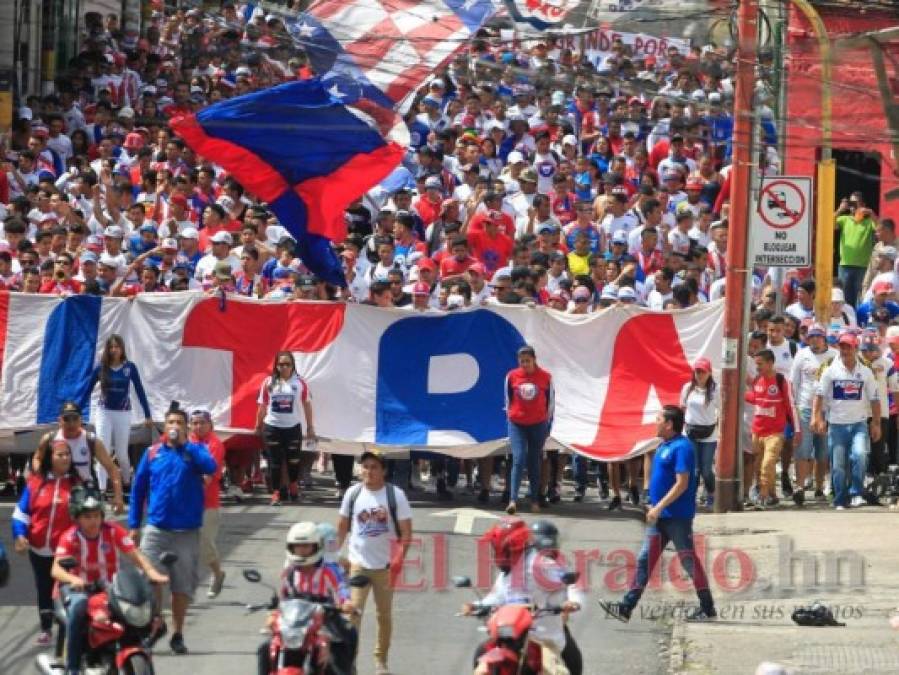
x: 857, y: 501
x: 841, y: 508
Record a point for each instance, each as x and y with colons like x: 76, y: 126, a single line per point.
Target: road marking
x: 465, y: 518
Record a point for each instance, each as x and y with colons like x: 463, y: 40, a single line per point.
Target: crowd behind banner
x: 535, y: 174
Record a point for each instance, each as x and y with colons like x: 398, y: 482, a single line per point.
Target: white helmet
x: 304, y: 533
x: 328, y: 534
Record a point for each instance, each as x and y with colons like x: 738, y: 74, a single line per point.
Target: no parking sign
x: 781, y: 224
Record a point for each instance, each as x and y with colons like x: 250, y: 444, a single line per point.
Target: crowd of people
x: 533, y: 176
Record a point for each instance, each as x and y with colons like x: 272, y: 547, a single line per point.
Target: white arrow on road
x: 465, y: 518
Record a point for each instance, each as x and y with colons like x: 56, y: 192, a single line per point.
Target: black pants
x: 343, y: 470
x: 892, y: 440
x: 571, y: 655
x: 282, y: 446
x: 879, y: 456
x: 41, y: 565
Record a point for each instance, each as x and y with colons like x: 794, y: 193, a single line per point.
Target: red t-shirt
x: 494, y: 252
x: 771, y: 398
x: 506, y: 224
x: 97, y: 558
x: 212, y: 498
x: 451, y: 267
x: 529, y: 396
x: 52, y: 286
x: 563, y: 206
x: 428, y: 211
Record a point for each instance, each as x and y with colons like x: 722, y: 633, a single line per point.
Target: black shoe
x: 615, y: 503
x: 603, y: 491
x: 772, y: 501
x: 786, y: 487
x: 177, y: 644
x: 799, y: 497
x: 156, y: 636
x: 579, y: 494
x: 699, y: 615
x: 819, y: 494
x: 484, y: 496
x: 634, y: 495
x: 543, y: 503
x: 504, y: 498
x: 553, y: 496
x: 616, y: 610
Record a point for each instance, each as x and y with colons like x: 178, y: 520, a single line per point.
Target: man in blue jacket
x: 168, y: 487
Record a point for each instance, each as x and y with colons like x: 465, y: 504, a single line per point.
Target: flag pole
x: 728, y: 491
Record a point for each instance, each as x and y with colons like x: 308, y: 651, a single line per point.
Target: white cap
x: 25, y: 113
x: 515, y: 157
x: 189, y: 233
x: 495, y: 124
x: 242, y: 70
x: 108, y: 261
x: 558, y: 98
x: 433, y: 182
x: 113, y: 232
x: 222, y: 237
x: 836, y: 295
x: 169, y: 244
x: 126, y: 112
x: 627, y: 293
x: 570, y: 139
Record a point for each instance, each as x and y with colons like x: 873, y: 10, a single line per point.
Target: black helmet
x: 85, y: 498
x: 545, y: 535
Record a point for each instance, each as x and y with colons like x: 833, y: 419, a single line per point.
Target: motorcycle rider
x: 309, y: 576
x: 530, y: 574
x: 95, y: 544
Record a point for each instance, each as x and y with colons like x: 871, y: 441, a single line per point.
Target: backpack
x: 391, y: 504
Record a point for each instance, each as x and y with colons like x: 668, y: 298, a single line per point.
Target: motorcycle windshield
x: 296, y: 613
x: 131, y: 585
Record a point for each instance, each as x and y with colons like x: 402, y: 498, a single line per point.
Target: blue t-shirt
x: 866, y: 309
x: 672, y: 457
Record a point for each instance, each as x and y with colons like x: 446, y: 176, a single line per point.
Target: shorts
x: 811, y: 446
x: 183, y: 573
x: 209, y: 552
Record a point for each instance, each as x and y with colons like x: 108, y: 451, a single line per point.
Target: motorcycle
x: 302, y: 631
x: 512, y: 647
x: 121, y: 616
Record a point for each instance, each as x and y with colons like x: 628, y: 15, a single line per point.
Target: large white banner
x: 391, y: 377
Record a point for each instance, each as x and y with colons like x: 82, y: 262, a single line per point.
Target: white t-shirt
x: 847, y: 395
x: 284, y: 401
x: 372, y: 531
x: 697, y: 411
x: 804, y: 375
x: 886, y: 382
x: 546, y: 165
x: 783, y: 357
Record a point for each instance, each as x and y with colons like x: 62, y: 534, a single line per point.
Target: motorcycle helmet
x: 545, y: 535
x: 304, y: 533
x: 83, y: 499
x: 328, y: 534
x: 509, y: 539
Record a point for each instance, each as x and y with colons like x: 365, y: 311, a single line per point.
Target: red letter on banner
x: 254, y: 333
x: 647, y: 353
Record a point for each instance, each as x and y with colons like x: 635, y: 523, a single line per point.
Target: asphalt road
x: 427, y: 636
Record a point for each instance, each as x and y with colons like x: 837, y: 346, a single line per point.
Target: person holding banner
x: 530, y: 402
x: 280, y: 423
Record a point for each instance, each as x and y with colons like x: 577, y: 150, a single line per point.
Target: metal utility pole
x: 727, y: 484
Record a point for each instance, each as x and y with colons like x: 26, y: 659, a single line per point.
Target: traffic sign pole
x: 824, y: 238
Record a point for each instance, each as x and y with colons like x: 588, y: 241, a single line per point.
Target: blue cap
x: 147, y: 227
x: 89, y: 256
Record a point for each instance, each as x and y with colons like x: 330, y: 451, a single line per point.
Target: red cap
x: 635, y: 99
x: 847, y: 338
x: 694, y: 184
x: 478, y: 268
x: 882, y: 287
x: 703, y: 364
x: 133, y: 141
x: 421, y: 288
x: 427, y: 264
x: 179, y: 199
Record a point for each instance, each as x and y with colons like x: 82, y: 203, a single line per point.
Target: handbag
x: 699, y: 432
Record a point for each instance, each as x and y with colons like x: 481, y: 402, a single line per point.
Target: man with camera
x: 854, y: 224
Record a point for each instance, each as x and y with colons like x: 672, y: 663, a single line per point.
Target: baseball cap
x: 178, y: 199
x: 189, y: 233
x: 373, y: 453
x: 222, y: 269
x: 70, y: 408
x: 306, y: 281
x: 94, y: 243
x: 147, y: 227
x: 222, y: 237
x: 127, y: 112
x: 703, y: 364
x: 169, y: 245
x: 570, y: 139
x: 133, y: 141
x: 888, y: 252
x: 421, y: 288
x: 847, y: 338
x: 88, y: 257
x: 477, y: 268
x: 528, y: 175
x: 282, y: 273
x: 817, y: 330
x: 547, y: 227
x: 433, y: 182
x: 515, y: 157
x: 114, y: 232
x: 609, y: 292
x: 581, y: 293
x: 619, y: 237
x: 108, y: 261
x: 882, y: 287
x: 892, y: 335
x: 627, y: 294
x: 718, y: 223
x: 427, y: 263
x: 837, y: 295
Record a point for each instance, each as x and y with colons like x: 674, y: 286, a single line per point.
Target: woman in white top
x: 280, y: 423
x: 701, y: 400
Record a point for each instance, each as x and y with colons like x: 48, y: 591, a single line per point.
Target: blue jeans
x: 848, y: 445
x: 852, y: 278
x: 705, y: 463
x: 579, y: 466
x: 527, y: 449
x: 679, y: 531
x: 812, y: 446
x: 76, y: 630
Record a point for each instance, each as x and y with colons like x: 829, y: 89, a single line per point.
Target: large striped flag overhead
x: 392, y: 45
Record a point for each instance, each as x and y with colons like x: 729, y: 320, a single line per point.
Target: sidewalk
x: 755, y: 625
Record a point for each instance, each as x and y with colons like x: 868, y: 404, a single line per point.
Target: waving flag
x: 389, y: 46
x: 308, y: 149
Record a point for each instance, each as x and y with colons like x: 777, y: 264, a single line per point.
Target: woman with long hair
x: 280, y: 422
x: 40, y: 518
x: 701, y: 399
x: 116, y: 374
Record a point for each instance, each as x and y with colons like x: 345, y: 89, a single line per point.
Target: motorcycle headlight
x: 136, y: 615
x: 292, y: 636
